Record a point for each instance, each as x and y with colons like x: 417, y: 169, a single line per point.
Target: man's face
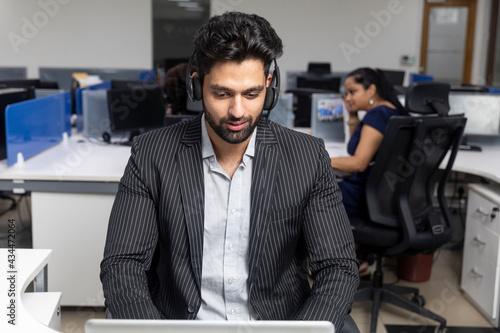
x: 233, y: 97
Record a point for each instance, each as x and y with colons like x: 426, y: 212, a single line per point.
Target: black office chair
x: 401, y: 193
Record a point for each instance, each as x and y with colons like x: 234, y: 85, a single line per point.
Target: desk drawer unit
x: 481, y: 260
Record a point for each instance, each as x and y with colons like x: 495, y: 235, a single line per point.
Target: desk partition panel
x: 36, y: 125
x: 95, y: 113
x: 12, y: 73
x: 106, y: 85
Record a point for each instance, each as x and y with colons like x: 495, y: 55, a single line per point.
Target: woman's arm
x: 368, y: 145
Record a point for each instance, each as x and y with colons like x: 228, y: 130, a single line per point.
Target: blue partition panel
x: 36, y: 125
x: 414, y: 77
x: 78, y: 101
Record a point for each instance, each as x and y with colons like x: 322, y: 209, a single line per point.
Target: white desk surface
x: 78, y: 159
x: 485, y: 163
x: 28, y: 264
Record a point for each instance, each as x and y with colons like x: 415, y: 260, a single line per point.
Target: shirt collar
x: 207, y: 149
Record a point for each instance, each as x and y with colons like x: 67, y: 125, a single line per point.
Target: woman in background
x: 368, y: 90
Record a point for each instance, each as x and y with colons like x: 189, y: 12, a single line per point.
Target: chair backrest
x: 406, y: 180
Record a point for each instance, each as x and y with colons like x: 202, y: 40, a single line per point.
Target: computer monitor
x: 306, y: 86
x: 395, y: 77
x: 172, y: 62
x: 206, y: 326
x: 319, y: 68
x: 326, y: 83
x: 10, y: 96
x: 327, y: 117
x: 482, y: 111
x: 29, y: 83
x: 135, y: 110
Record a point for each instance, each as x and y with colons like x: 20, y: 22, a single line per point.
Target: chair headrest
x: 428, y: 97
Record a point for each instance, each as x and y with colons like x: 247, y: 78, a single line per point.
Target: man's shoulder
x: 170, y: 136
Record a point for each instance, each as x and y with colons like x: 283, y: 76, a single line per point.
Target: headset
x: 194, y: 87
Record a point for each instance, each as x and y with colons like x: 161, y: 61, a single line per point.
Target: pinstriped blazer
x: 153, y: 254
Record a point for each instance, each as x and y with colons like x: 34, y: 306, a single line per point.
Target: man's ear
x: 269, y: 79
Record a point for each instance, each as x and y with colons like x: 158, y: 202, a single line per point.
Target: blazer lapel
x: 193, y: 193
x: 265, y: 169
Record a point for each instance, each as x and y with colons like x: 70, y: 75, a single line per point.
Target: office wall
x: 75, y: 33
x: 348, y: 34
x: 354, y: 33
x: 118, y: 33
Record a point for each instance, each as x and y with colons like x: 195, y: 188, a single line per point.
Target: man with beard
x: 230, y: 216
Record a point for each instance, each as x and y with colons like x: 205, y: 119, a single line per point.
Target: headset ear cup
x: 268, y: 102
x: 197, y: 88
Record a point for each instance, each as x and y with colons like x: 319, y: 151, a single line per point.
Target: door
x: 493, y: 62
x: 448, y: 39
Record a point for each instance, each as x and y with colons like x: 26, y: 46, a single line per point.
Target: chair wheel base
x: 418, y: 299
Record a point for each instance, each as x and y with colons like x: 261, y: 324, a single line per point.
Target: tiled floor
x: 442, y: 292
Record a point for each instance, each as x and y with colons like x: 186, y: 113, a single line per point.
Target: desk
x: 484, y: 163
x: 34, y: 312
x: 73, y: 186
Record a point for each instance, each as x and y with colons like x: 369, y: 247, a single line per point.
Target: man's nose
x: 236, y: 108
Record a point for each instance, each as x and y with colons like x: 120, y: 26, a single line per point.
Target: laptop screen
x: 198, y: 326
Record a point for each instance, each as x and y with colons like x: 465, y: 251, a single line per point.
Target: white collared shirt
x: 224, y: 287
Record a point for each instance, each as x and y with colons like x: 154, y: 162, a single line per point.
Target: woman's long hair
x: 367, y: 76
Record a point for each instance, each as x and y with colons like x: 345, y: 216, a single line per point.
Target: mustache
x: 234, y: 119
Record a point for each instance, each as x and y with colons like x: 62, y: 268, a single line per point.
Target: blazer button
x: 191, y: 309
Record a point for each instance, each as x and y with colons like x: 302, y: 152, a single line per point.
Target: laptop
x: 206, y: 326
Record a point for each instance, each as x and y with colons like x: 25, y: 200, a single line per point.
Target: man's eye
x: 220, y: 94
x: 252, y: 95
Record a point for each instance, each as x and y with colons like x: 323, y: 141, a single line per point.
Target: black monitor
x: 306, y: 86
x: 10, y: 96
x: 395, y: 77
x: 172, y: 62
x: 319, y: 68
x: 326, y: 83
x: 29, y: 83
x: 135, y: 110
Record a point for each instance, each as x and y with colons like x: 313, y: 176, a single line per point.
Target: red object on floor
x: 415, y: 268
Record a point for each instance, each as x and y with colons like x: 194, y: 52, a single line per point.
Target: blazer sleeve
x: 330, y: 245
x: 130, y: 244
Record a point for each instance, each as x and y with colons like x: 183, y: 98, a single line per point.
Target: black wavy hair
x: 238, y: 37
x: 367, y: 76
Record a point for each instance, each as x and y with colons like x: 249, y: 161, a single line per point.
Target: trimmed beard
x: 228, y: 135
